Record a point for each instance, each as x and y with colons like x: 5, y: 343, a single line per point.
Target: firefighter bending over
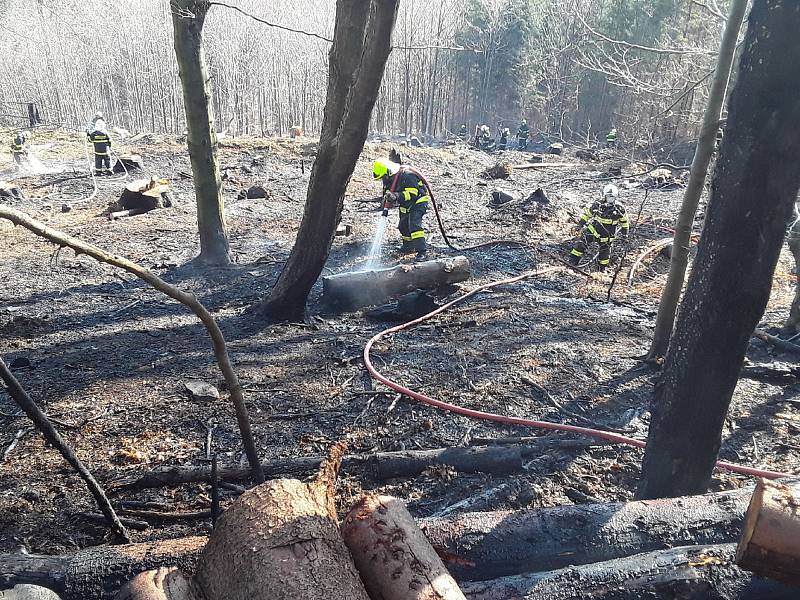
x: 18, y: 148
x: 406, y: 190
x: 599, y: 223
x: 102, y: 149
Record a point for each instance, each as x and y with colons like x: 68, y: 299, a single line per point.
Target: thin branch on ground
x: 43, y: 424
x: 189, y: 300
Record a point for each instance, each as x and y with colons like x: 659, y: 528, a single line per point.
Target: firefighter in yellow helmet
x: 405, y: 189
x: 599, y: 222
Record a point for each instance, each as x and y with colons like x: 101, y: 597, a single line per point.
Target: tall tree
x: 755, y: 184
x: 679, y: 260
x: 361, y: 45
x: 188, y: 17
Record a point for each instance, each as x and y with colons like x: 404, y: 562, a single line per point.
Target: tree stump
x: 770, y: 543
x: 159, y: 584
x: 145, y: 195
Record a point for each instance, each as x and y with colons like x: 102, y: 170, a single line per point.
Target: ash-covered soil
x: 108, y: 356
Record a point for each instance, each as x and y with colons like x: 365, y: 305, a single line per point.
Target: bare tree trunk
x: 697, y: 178
x: 793, y: 239
x: 362, y: 42
x: 754, y: 188
x: 187, y: 21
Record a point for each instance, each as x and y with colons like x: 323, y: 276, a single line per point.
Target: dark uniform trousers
x: 413, y: 206
x: 102, y: 152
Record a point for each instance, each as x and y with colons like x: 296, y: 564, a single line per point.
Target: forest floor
x: 109, y: 356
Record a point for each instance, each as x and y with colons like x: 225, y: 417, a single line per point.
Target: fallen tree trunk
x: 492, y: 544
x: 693, y: 572
x: 770, y: 544
x: 364, y: 288
x: 392, y: 555
x: 474, y: 546
x: 97, y: 573
x: 381, y: 465
x: 128, y: 163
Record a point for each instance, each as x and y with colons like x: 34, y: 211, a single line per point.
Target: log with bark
x: 392, y: 555
x: 473, y: 546
x: 165, y: 583
x: 488, y: 545
x: 281, y: 540
x: 354, y: 290
x: 381, y: 465
x: 770, y: 543
x: 690, y: 572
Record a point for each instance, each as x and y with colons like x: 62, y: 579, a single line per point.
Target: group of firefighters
x: 484, y: 140
x: 406, y: 189
x: 96, y: 133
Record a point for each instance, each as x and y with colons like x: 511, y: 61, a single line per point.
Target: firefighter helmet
x: 383, y: 167
x: 610, y: 191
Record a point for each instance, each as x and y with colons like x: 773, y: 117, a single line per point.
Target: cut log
x: 146, y: 194
x: 492, y: 544
x: 131, y: 163
x: 344, y: 230
x: 381, y: 465
x: 770, y: 543
x: 29, y: 592
x: 159, y: 584
x: 474, y: 546
x: 98, y: 573
x: 392, y: 555
x: 693, y: 572
x: 281, y: 541
x: 364, y: 288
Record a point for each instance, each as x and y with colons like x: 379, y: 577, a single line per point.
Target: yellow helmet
x: 383, y: 167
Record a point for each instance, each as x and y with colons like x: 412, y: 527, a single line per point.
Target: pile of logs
x: 282, y: 540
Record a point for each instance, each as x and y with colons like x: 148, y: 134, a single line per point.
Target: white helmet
x: 98, y: 115
x: 610, y: 191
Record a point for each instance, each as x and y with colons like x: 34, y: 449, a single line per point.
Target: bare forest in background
x: 573, y: 68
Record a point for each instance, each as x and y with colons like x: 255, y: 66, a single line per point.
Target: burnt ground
x: 108, y: 356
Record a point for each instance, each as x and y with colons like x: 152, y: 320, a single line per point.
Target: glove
x: 392, y: 198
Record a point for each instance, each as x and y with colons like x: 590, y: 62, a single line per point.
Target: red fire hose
x: 486, y: 416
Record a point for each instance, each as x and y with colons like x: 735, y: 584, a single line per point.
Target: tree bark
x: 671, y: 294
x: 281, y: 541
x: 474, y: 546
x: 770, y: 543
x: 392, y: 555
x: 188, y: 17
x: 45, y: 427
x: 361, y: 45
x: 99, y: 572
x: 793, y: 240
x: 365, y: 288
x: 488, y: 545
x: 381, y: 465
x: 754, y: 189
x: 688, y: 573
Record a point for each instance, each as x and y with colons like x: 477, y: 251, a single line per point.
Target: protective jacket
x: 18, y: 145
x: 600, y: 221
x: 414, y: 200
